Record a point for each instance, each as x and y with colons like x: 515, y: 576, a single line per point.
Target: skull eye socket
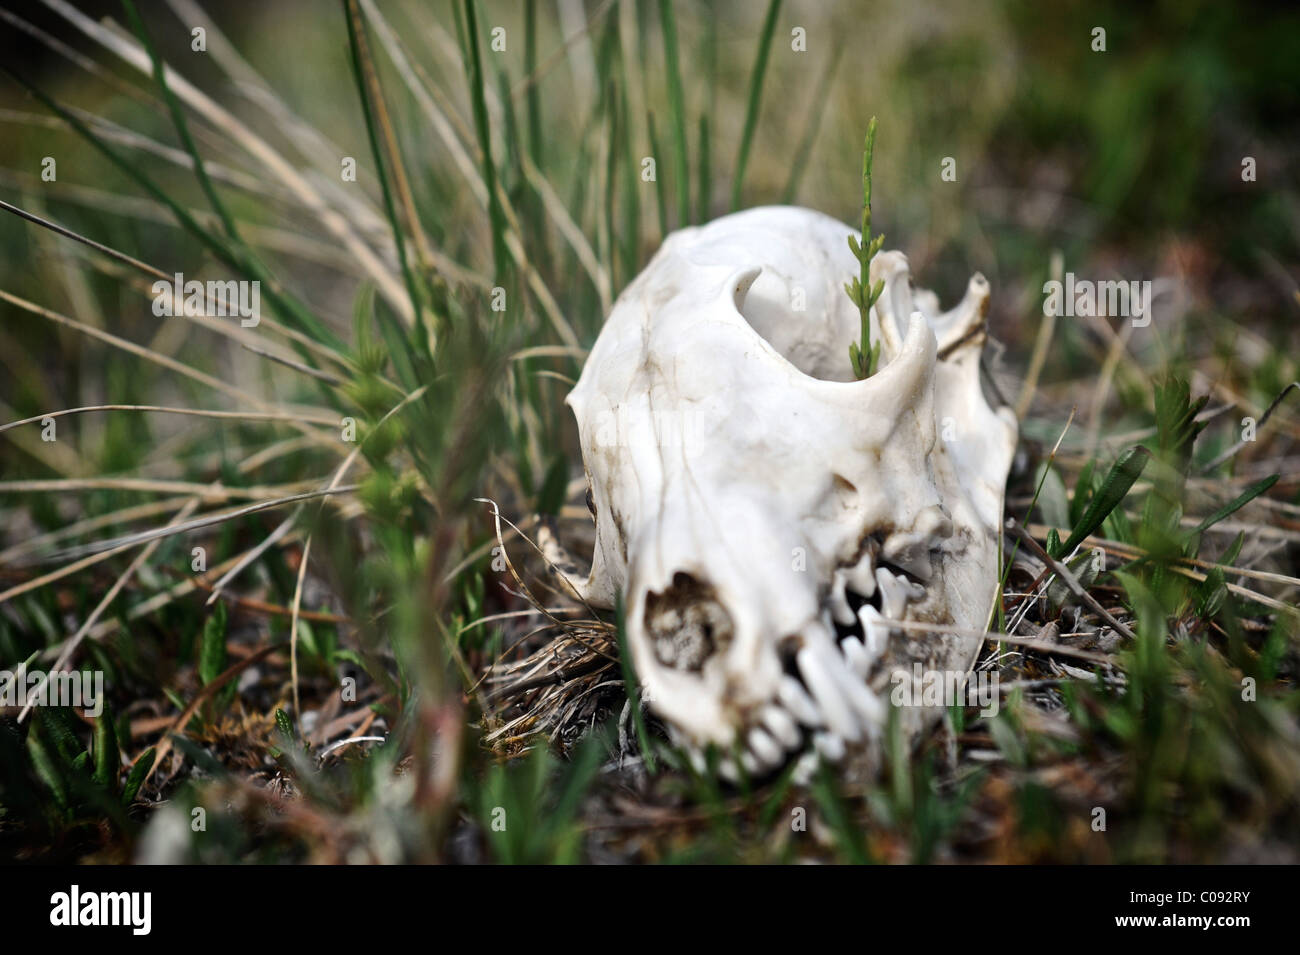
x: 686, y: 625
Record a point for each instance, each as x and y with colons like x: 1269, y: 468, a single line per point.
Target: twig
x: 165, y: 744
x: 1068, y: 578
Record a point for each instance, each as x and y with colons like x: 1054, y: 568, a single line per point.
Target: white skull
x: 761, y: 513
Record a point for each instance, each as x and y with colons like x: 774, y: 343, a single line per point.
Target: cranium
x: 762, y: 515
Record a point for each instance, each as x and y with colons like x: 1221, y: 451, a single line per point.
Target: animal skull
x: 763, y: 515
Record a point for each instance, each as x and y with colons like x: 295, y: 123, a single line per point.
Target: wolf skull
x: 764, y: 516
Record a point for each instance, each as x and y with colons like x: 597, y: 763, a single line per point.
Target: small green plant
x: 529, y: 809
x: 864, y: 356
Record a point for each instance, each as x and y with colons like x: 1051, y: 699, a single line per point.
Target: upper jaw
x: 770, y: 694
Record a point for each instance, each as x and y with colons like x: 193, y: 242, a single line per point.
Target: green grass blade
x: 800, y: 162
x: 360, y: 59
x: 212, y: 652
x: 677, y: 112
x: 293, y: 311
x: 1114, y: 488
x: 139, y: 772
x: 839, y: 817
x: 496, y: 215
x: 631, y: 193
x: 533, y: 101
x: 630, y: 685
x: 704, y: 195
x: 178, y: 120
x: 108, y: 761
x: 755, y: 98
x: 47, y: 768
x: 1246, y: 496
x: 61, y: 732
x: 661, y: 198
x: 611, y: 171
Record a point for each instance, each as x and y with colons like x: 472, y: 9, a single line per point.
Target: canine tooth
x: 861, y: 577
x: 893, y: 594
x: 781, y: 725
x: 825, y: 689
x: 830, y: 746
x: 857, y: 656
x: 765, y: 748
x: 828, y: 621
x: 796, y: 699
x: 875, y: 634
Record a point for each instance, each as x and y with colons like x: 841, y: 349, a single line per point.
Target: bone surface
x: 763, y: 516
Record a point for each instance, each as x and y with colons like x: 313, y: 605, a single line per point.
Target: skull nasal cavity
x: 685, y: 624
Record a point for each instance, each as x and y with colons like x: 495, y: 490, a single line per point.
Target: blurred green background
x: 1129, y: 161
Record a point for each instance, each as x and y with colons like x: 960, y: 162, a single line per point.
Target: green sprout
x: 863, y: 357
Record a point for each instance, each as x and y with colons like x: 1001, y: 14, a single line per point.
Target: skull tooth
x: 861, y: 576
x: 841, y: 612
x: 729, y: 770
x: 825, y: 689
x: 875, y: 635
x: 698, y: 762
x: 806, y: 766
x: 830, y: 746
x: 796, y: 699
x: 781, y: 725
x: 768, y: 751
x: 858, y: 657
x: 893, y: 595
x: 828, y: 621
x: 865, y: 703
